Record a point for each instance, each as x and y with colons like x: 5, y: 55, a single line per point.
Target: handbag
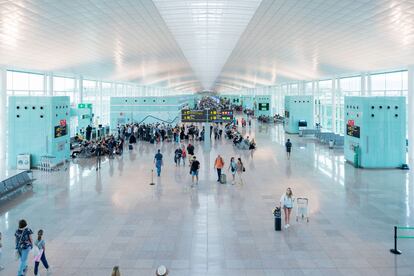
x: 244, y: 169
x: 17, y: 251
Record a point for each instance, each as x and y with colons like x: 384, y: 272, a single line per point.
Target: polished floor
x: 95, y: 220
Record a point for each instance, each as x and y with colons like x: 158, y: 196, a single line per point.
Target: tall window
x: 325, y: 107
x: 350, y: 86
x: 63, y: 86
x: 105, y: 108
x: 25, y: 84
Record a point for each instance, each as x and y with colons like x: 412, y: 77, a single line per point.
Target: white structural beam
x: 410, y: 100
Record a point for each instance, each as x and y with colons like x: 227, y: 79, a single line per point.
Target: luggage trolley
x: 302, y: 208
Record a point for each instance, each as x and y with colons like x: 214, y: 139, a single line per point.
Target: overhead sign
x: 85, y: 105
x: 193, y: 116
x: 220, y: 116
x: 264, y: 106
x: 204, y: 116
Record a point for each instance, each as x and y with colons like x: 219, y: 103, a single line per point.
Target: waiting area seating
x: 325, y: 137
x: 15, y: 183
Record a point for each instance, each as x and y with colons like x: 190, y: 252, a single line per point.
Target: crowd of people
x: 270, y: 119
x: 208, y: 102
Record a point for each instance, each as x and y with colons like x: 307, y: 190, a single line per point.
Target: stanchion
x: 152, y: 177
x: 395, y: 250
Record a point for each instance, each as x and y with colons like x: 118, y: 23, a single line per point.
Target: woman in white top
x: 286, y: 201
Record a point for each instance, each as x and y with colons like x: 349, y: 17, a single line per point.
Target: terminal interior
x: 315, y: 96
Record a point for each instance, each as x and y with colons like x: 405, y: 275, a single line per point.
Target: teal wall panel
x: 298, y: 108
x: 381, y: 122
x: 32, y: 122
x: 136, y: 109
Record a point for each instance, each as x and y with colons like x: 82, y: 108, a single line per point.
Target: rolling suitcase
x: 130, y: 147
x: 223, y: 178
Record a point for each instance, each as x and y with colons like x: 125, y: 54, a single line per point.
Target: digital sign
x: 203, y: 116
x: 193, y: 116
x: 60, y: 131
x: 264, y: 106
x: 353, y: 130
x: 220, y: 116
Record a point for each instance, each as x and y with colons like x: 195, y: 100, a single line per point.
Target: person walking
x: 177, y: 156
x: 24, y: 244
x: 98, y: 153
x: 233, y: 169
x: 190, y: 151
x: 288, y: 146
x: 40, y: 243
x: 195, y: 167
x: 286, y: 202
x: 1, y: 251
x: 218, y: 165
x: 158, y: 162
x: 183, y: 154
x: 240, y: 169
x: 115, y: 271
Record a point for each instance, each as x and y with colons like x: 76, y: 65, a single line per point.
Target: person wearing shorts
x: 195, y: 167
x: 286, y: 202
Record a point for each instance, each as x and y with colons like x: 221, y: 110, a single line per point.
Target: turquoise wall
x: 32, y: 122
x: 265, y: 99
x: 136, y: 109
x: 298, y: 108
x: 382, y: 131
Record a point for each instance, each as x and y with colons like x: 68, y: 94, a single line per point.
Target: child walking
x: 1, y: 251
x: 40, y: 243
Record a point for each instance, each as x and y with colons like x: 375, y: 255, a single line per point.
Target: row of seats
x: 14, y: 183
x: 325, y: 137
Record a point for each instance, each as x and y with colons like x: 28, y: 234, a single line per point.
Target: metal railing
x: 396, y: 237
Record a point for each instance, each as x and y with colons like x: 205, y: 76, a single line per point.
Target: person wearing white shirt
x: 286, y: 202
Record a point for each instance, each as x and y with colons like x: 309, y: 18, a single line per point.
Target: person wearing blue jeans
x: 40, y: 243
x: 23, y: 245
x: 158, y: 162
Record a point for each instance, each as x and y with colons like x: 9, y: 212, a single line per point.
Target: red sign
x: 62, y: 122
x: 351, y: 122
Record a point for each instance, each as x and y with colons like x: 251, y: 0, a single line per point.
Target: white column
x: 410, y: 100
x: 363, y: 84
x: 369, y: 87
x: 3, y: 113
x: 333, y: 91
x: 49, y: 90
x: 80, y: 89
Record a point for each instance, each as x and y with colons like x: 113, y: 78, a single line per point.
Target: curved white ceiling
x: 207, y: 31
x: 218, y: 44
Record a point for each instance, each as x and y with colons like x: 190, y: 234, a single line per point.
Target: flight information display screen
x: 353, y: 130
x: 220, y: 116
x: 264, y: 106
x: 193, y: 116
x: 203, y: 116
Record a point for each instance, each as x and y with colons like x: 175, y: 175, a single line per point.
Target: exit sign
x: 85, y: 105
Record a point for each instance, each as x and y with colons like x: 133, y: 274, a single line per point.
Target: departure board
x: 264, y: 106
x: 193, y: 116
x: 220, y: 116
x: 200, y: 116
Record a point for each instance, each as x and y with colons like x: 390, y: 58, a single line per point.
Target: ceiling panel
x: 309, y: 39
x: 207, y: 31
x: 121, y: 40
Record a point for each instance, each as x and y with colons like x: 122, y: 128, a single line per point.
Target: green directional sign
x: 85, y: 105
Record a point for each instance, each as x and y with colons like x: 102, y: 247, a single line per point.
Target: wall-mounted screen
x: 60, y: 131
x: 302, y: 123
x: 353, y: 130
x: 286, y: 114
x: 264, y: 106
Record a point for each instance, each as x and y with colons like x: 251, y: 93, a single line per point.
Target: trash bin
x: 278, y: 218
x: 356, y: 156
x: 331, y: 144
